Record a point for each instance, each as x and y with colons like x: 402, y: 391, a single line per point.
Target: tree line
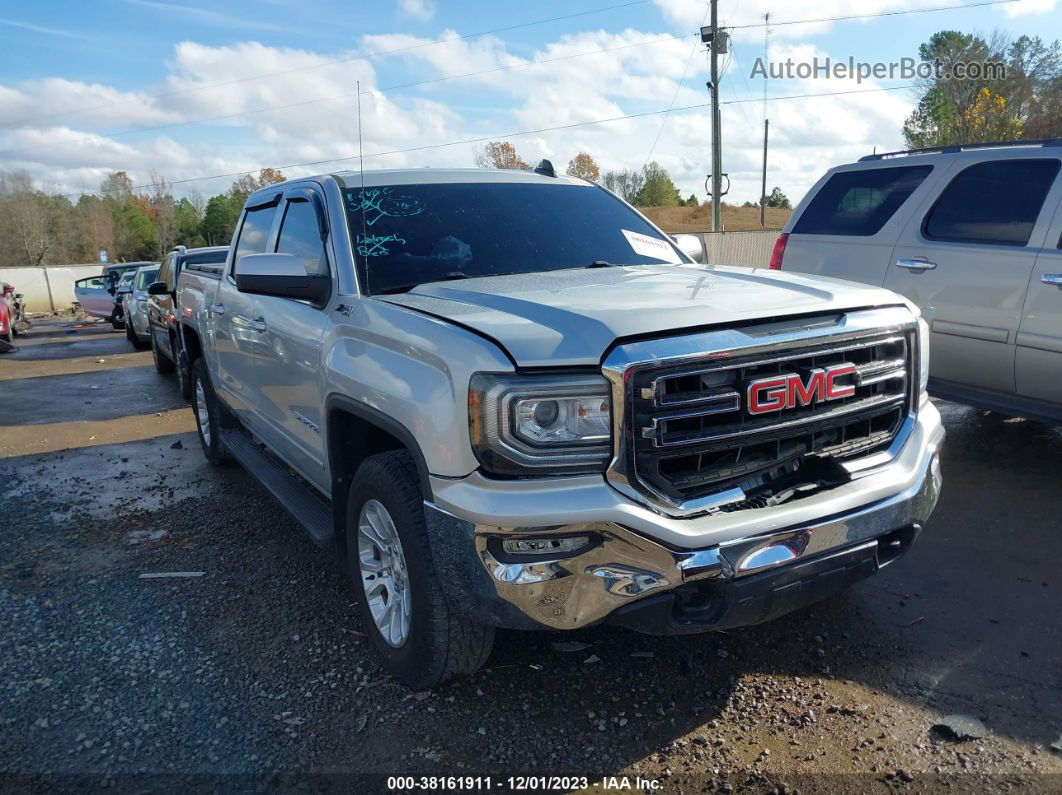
x: 39, y: 228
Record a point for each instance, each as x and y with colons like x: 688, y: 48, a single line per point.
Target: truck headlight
x: 923, y: 355
x: 527, y: 424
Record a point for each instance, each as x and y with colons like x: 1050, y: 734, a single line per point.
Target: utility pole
x: 763, y: 183
x: 715, y: 44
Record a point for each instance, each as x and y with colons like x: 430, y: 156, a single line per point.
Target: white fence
x: 751, y: 249
x: 49, y: 289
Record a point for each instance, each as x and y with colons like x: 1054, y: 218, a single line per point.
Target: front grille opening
x: 693, y: 435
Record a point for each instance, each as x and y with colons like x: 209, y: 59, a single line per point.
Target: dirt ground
x: 699, y: 219
x: 253, y: 672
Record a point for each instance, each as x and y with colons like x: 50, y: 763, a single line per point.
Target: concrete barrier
x: 49, y: 289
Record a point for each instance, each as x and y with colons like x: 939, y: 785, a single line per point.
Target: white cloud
x: 1023, y: 7
x: 308, y: 112
x: 422, y: 10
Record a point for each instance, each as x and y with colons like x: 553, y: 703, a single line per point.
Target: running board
x: 304, y: 504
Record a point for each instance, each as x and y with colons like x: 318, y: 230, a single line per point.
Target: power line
x: 674, y: 97
x: 242, y: 114
x: 365, y: 57
x: 481, y: 139
x: 898, y: 13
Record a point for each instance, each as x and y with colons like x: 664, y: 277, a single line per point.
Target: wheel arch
x: 356, y: 431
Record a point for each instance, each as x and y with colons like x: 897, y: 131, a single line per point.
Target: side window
x: 859, y: 203
x: 165, y: 273
x: 995, y: 202
x: 300, y: 235
x: 254, y: 234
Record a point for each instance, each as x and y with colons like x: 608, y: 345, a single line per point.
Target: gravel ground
x: 258, y: 666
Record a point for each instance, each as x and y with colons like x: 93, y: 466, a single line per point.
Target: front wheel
x: 416, y: 636
x: 207, y: 415
x: 184, y: 378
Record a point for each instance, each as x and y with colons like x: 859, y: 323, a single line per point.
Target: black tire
x: 131, y: 335
x: 163, y: 363
x: 184, y: 377
x: 117, y: 321
x: 440, y: 644
x: 210, y: 431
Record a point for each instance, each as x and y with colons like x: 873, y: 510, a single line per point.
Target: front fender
x: 413, y: 369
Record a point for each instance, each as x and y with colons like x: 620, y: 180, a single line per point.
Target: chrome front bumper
x: 640, y: 554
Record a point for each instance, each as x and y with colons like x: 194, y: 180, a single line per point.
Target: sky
x: 191, y: 89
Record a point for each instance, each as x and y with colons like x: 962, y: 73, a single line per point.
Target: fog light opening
x: 523, y: 549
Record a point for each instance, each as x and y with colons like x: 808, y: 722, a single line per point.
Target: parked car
x: 973, y: 236
x: 506, y: 399
x: 7, y: 323
x: 162, y: 309
x: 134, y: 297
x: 98, y: 295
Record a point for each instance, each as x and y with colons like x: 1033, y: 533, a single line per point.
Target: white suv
x: 973, y: 235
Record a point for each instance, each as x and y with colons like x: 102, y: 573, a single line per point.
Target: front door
x: 966, y: 262
x: 1038, y: 365
x: 289, y: 367
x: 238, y: 322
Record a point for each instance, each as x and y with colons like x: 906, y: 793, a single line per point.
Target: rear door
x: 92, y: 294
x: 1038, y: 356
x: 847, y: 226
x: 237, y: 321
x: 966, y: 260
x: 289, y: 367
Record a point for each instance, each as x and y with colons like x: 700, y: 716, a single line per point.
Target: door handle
x: 217, y: 309
x: 258, y: 324
x: 1052, y: 278
x: 915, y: 264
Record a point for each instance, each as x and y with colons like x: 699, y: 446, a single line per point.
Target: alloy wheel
x: 382, y: 565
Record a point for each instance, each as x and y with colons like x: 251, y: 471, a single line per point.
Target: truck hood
x: 571, y: 317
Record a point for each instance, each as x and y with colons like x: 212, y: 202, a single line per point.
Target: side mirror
x: 690, y: 245
x: 20, y: 295
x: 281, y: 275
x: 125, y: 290
x: 157, y: 288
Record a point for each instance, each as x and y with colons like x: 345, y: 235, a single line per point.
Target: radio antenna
x: 361, y: 167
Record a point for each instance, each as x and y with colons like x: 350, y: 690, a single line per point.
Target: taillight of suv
x: 778, y: 252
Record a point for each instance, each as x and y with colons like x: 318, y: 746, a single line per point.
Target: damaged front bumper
x: 662, y: 574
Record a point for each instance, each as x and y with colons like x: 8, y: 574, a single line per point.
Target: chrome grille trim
x: 704, y: 352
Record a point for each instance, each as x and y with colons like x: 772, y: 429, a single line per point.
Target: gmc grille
x: 692, y: 433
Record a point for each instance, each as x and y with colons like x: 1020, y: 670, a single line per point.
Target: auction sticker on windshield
x: 651, y: 247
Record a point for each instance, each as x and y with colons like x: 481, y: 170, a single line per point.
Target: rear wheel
x: 416, y: 636
x: 131, y: 335
x: 207, y: 415
x: 163, y: 363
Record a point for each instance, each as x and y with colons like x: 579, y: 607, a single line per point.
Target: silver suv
x: 973, y: 236
x: 506, y: 399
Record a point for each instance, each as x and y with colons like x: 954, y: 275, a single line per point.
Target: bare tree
x: 26, y: 219
x: 164, y: 212
x: 627, y: 183
x: 198, y: 202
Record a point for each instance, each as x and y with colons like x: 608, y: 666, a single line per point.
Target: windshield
x: 144, y: 279
x: 409, y: 234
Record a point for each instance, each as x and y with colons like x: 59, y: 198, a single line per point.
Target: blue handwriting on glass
x: 376, y: 245
x: 377, y: 203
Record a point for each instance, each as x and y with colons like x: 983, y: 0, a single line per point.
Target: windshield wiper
x: 599, y: 263
x: 405, y: 288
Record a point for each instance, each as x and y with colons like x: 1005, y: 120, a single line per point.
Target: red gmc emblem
x: 789, y: 390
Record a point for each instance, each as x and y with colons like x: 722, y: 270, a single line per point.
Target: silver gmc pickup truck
x: 506, y: 399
